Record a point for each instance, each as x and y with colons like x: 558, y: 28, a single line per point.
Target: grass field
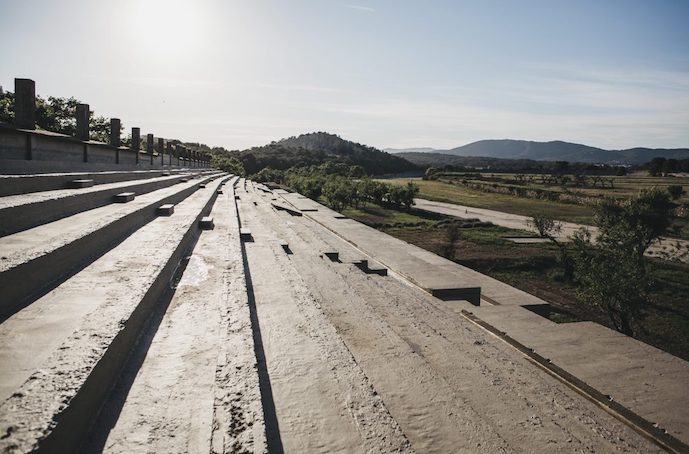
x: 455, y: 193
x: 445, y: 192
x: 534, y: 269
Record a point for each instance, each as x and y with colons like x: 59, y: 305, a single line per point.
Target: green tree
x: 675, y: 191
x: 612, y: 271
x: 549, y: 228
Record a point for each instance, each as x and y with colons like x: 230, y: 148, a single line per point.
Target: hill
x: 562, y: 151
x: 318, y: 147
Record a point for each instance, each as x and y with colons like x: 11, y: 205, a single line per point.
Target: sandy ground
x: 518, y: 222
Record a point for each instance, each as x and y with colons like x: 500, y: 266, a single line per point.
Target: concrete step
x: 52, y: 252
x: 206, y: 328
x: 21, y: 212
x: 25, y: 184
x: 640, y: 377
x: 61, y: 355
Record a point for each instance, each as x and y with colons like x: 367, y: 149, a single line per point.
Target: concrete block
x: 184, y: 180
x: 202, y: 185
x: 124, y: 197
x: 245, y: 234
x: 76, y: 184
x: 470, y: 294
x: 165, y: 210
x: 219, y: 191
x: 206, y: 223
x: 333, y: 256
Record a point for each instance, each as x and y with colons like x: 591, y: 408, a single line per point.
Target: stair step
x: 69, y: 346
x: 26, y: 184
x: 208, y: 328
x: 52, y: 252
x: 22, y: 212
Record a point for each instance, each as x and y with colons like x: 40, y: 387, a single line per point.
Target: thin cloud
x: 360, y: 8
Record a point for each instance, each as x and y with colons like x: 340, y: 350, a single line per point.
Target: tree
x: 452, y: 238
x: 549, y: 228
x: 612, y: 271
x: 410, y: 191
x: 675, y: 191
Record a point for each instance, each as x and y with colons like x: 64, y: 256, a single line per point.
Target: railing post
x: 135, y: 145
x: 82, y: 116
x: 161, y: 151
x: 25, y: 110
x: 149, y: 147
x: 115, y: 126
x: 25, y: 103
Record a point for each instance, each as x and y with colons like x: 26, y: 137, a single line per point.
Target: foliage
x: 57, y: 115
x: 675, y: 191
x: 612, y: 271
x: 227, y: 163
x: 314, y: 149
x: 549, y: 228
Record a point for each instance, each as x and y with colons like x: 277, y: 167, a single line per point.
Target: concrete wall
x: 23, y: 151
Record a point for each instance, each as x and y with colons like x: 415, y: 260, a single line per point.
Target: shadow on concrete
x: 272, y: 427
x: 107, y: 419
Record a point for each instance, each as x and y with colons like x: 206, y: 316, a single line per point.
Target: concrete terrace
x: 153, y: 304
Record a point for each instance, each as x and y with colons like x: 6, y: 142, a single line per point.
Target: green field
x: 442, y: 191
x: 451, y: 193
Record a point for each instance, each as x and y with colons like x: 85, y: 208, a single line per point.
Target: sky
x: 387, y: 73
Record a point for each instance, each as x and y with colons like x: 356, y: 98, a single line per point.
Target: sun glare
x: 167, y: 27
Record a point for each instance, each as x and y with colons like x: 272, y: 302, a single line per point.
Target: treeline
x: 658, y: 167
x: 470, y: 164
x: 56, y: 115
x: 341, y: 186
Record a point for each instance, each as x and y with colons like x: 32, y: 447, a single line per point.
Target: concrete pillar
x: 25, y: 103
x: 149, y: 147
x: 115, y: 126
x: 82, y: 116
x: 135, y: 146
x: 169, y: 154
x: 161, y: 150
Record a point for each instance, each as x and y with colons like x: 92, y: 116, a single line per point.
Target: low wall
x: 26, y: 151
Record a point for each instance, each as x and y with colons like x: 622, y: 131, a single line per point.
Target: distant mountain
x: 562, y: 151
x: 409, y: 150
x: 318, y: 147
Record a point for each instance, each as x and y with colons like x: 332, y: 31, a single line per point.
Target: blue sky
x: 612, y: 73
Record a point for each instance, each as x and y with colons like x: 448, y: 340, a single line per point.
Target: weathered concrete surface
x: 323, y: 402
x: 645, y: 394
x: 61, y: 354
x: 196, y: 389
x: 448, y: 385
x: 51, y: 251
x: 21, y: 212
x: 518, y: 222
x: 425, y: 269
x: 646, y: 380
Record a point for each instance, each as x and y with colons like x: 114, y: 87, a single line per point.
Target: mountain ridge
x: 558, y: 150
